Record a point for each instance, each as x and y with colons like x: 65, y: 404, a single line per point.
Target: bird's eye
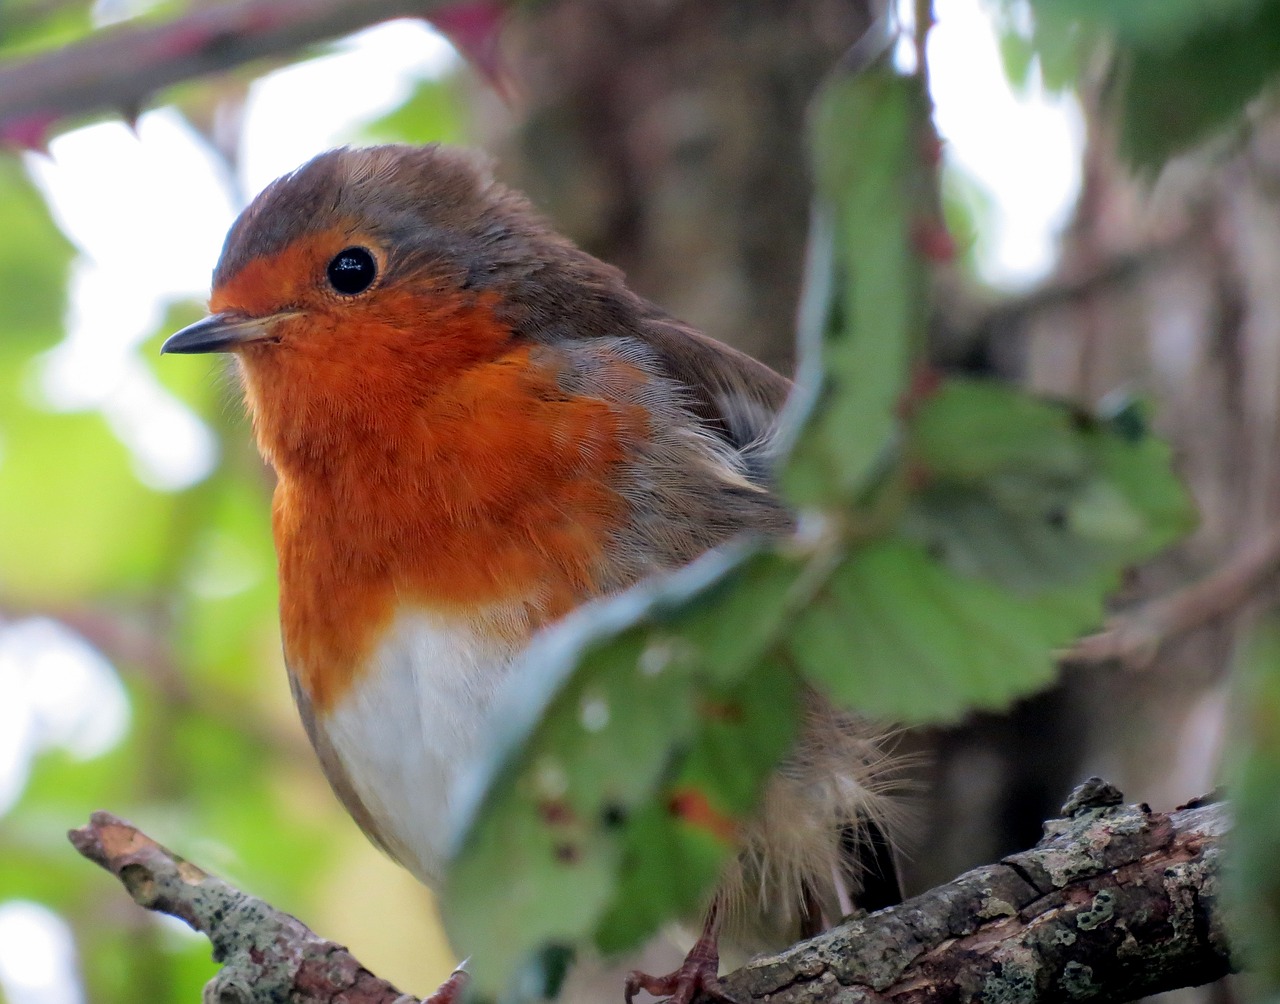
x: 352, y: 270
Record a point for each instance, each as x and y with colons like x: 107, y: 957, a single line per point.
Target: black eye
x: 352, y: 271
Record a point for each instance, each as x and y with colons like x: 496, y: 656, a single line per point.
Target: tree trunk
x: 667, y: 137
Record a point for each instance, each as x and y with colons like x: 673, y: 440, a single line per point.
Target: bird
x: 477, y: 427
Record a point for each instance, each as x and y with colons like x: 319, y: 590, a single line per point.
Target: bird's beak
x: 222, y: 333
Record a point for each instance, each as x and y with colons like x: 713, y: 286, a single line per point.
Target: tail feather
x: 876, y: 861
x: 821, y: 840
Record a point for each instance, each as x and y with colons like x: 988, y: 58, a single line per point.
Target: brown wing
x: 738, y: 396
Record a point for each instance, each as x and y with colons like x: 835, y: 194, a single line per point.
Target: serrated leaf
x: 864, y: 316
x: 1138, y: 466
x: 897, y: 635
x: 624, y: 712
x: 611, y: 805
x: 1031, y: 494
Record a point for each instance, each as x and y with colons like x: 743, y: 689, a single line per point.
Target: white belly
x: 410, y: 725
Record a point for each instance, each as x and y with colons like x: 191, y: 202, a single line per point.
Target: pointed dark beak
x: 222, y: 333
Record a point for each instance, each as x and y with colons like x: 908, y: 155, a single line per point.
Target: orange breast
x: 495, y: 488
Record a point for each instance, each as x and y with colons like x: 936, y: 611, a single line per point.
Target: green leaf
x: 1031, y: 494
x: 1017, y: 57
x: 1149, y: 23
x: 627, y: 716
x: 972, y: 429
x: 679, y: 842
x: 1023, y: 515
x: 864, y: 314
x: 895, y: 634
x: 952, y: 543
x: 1138, y: 466
x: 1172, y: 98
x: 1253, y: 875
x: 1052, y: 43
x: 1187, y: 67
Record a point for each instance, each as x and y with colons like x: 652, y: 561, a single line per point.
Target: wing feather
x: 738, y: 396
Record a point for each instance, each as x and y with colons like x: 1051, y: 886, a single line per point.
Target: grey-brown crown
x: 429, y: 206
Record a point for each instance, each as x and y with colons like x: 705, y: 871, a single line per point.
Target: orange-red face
x: 328, y: 295
x: 312, y: 285
x: 333, y: 273
x: 360, y: 253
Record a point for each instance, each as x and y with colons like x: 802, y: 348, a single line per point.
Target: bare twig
x: 974, y: 323
x: 1115, y: 902
x: 123, y: 67
x: 1136, y: 637
x: 267, y: 955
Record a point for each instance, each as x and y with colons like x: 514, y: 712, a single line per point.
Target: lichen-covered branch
x: 1116, y: 902
x: 123, y: 67
x: 266, y: 955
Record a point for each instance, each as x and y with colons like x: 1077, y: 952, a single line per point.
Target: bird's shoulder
x: 621, y: 347
x: 700, y: 470
x: 737, y: 395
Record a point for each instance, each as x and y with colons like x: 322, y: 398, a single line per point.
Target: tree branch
x: 972, y: 324
x: 1115, y: 902
x: 266, y: 955
x: 1134, y: 638
x: 123, y: 67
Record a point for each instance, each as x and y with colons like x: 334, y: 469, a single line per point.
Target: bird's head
x: 367, y: 276
x: 380, y: 263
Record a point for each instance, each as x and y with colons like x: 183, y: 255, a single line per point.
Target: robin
x: 477, y: 427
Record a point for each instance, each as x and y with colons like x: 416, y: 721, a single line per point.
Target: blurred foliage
x: 37, y: 25
x: 1254, y: 876
x: 958, y: 537
x: 1036, y: 47
x: 432, y: 114
x: 1183, y: 70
